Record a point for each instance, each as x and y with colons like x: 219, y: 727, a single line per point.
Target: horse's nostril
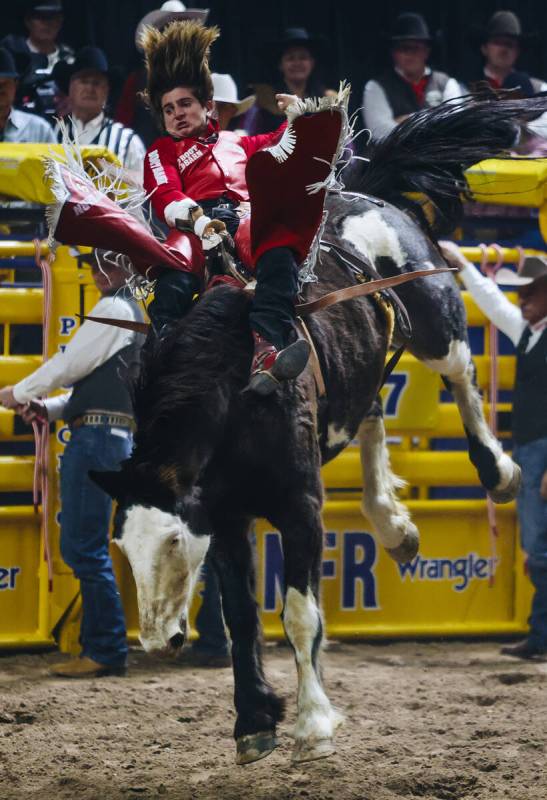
x: 177, y: 641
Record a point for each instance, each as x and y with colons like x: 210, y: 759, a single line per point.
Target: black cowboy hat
x: 7, y: 64
x: 503, y: 23
x: 297, y: 37
x: 43, y: 8
x: 410, y: 26
x: 87, y: 59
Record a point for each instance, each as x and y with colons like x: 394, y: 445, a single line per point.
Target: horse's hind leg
x: 302, y: 534
x: 391, y: 519
x: 258, y: 708
x: 497, y: 472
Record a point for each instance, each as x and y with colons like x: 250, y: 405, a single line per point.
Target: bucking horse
x: 210, y: 458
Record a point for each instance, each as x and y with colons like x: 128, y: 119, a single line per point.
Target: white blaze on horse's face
x: 165, y: 556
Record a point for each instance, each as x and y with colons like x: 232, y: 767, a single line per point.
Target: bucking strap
x: 363, y: 289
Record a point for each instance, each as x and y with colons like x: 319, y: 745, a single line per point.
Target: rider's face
x: 183, y: 114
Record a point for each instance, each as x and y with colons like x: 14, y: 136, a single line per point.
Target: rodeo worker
x: 196, y: 175
x: 99, y: 413
x: 527, y: 328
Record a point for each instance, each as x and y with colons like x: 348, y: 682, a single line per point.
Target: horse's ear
x: 113, y: 483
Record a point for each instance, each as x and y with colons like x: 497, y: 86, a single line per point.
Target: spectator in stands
x: 228, y: 107
x: 131, y: 110
x: 527, y: 329
x: 99, y: 413
x: 87, y: 84
x: 296, y: 59
x: 409, y: 84
x: 502, y: 41
x: 37, y: 54
x: 15, y: 125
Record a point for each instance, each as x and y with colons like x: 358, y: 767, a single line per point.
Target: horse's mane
x: 211, y: 346
x: 429, y: 152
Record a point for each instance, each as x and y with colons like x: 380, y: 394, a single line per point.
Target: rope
x: 41, y: 427
x: 490, y: 271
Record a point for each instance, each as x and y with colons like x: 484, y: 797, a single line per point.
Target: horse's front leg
x: 302, y: 534
x: 258, y: 708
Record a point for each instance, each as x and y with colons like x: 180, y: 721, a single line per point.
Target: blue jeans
x: 209, y: 621
x: 532, y: 514
x: 85, y: 523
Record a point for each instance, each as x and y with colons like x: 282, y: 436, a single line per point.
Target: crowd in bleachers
x: 43, y: 79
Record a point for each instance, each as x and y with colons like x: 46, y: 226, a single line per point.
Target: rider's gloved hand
x: 209, y: 230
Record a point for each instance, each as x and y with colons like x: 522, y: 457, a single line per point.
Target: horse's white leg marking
x: 336, y: 436
x: 391, y: 519
x: 317, y: 719
x: 457, y: 366
x: 372, y: 236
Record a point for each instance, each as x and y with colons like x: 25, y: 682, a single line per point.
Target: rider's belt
x: 110, y: 420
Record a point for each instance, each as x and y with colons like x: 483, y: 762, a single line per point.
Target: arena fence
x: 457, y: 585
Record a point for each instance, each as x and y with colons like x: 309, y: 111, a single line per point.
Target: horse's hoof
x: 305, y: 750
x: 408, y: 548
x: 509, y: 493
x: 255, y: 746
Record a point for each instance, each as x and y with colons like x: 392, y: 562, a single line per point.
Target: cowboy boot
x: 271, y: 366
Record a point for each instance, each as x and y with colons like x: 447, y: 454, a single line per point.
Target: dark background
x: 355, y: 31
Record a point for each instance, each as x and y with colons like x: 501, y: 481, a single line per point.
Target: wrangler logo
x: 460, y: 570
x: 189, y: 157
x: 156, y: 167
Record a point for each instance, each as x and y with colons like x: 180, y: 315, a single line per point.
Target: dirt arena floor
x: 443, y: 721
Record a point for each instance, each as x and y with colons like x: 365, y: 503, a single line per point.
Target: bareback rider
x: 196, y: 173
x: 267, y: 191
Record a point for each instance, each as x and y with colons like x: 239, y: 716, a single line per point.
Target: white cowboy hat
x: 534, y: 267
x: 170, y: 11
x: 225, y: 91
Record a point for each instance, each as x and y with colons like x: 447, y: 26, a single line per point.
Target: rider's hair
x: 177, y: 56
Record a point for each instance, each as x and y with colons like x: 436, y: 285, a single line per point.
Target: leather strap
x: 304, y: 309
x: 364, y: 289
x: 314, y: 358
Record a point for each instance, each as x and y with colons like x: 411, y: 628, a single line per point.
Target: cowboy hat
x: 410, y: 26
x: 88, y: 59
x: 502, y: 23
x: 533, y: 268
x: 225, y: 91
x: 297, y: 37
x: 170, y: 11
x: 52, y: 8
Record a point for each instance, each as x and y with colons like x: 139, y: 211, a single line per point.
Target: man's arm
x: 134, y: 157
x: 92, y: 345
x: 452, y: 90
x: 162, y: 181
x: 377, y: 112
x: 489, y: 298
x: 171, y: 204
x: 253, y: 143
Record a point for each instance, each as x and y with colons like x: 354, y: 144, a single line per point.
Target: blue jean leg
x: 85, y: 521
x: 532, y: 514
x: 209, y: 621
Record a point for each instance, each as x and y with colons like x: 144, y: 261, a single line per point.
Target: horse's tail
x: 430, y: 151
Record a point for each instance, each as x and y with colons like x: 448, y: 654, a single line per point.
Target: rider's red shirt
x: 202, y: 168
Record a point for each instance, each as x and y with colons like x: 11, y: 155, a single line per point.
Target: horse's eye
x: 175, y: 540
